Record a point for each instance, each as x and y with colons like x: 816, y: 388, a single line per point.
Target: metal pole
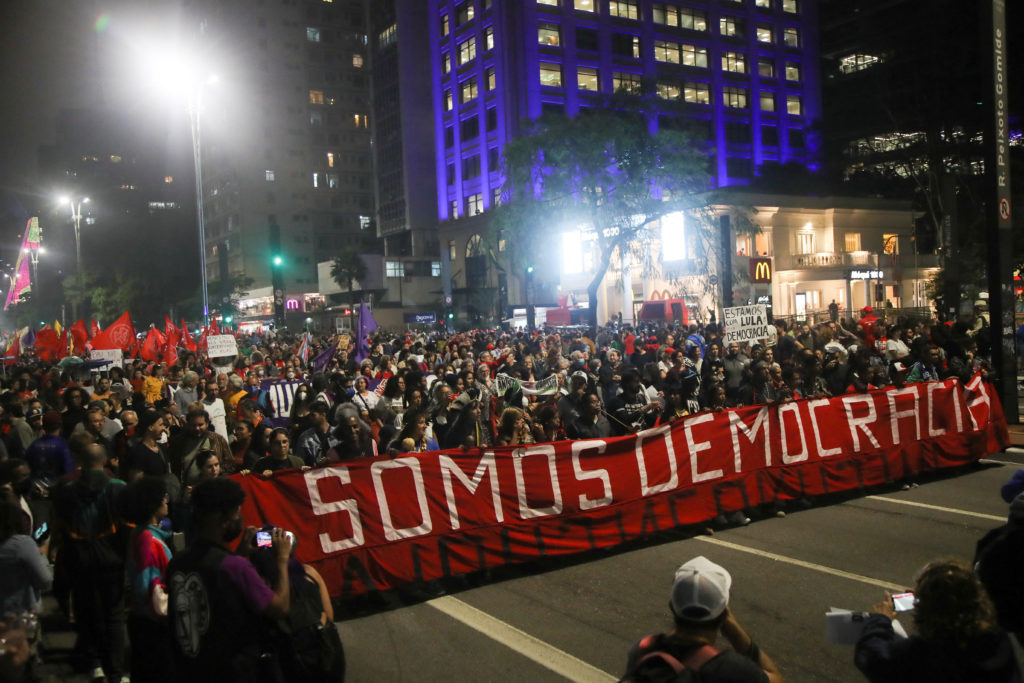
x: 194, y: 112
x: 76, y: 216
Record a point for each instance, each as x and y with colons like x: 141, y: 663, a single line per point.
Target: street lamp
x: 76, y: 217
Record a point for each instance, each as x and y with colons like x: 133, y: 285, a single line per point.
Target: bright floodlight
x: 572, y: 252
x: 673, y: 237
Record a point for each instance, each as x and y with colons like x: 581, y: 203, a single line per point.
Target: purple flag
x: 366, y: 325
x: 324, y: 357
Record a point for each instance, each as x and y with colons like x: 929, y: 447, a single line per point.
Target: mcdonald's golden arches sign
x: 761, y: 270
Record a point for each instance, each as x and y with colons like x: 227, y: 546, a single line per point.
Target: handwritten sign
x: 747, y: 324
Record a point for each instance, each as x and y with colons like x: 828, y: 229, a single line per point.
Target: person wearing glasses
x: 280, y: 457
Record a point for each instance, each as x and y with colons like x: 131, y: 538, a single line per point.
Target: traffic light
x: 277, y: 260
x: 227, y: 319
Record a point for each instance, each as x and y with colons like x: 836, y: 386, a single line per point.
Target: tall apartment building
x: 287, y: 163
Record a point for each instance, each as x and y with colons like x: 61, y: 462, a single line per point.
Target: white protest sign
x: 220, y: 345
x: 747, y: 324
x: 113, y: 355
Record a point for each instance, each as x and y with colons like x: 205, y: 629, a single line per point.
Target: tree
x: 348, y: 267
x: 604, y: 169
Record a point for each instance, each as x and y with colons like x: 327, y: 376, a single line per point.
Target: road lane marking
x: 800, y: 563
x: 926, y: 506
x: 548, y: 656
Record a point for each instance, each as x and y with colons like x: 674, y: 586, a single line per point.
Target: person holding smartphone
x: 957, y: 638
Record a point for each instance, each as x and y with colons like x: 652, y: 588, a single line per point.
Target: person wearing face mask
x: 219, y: 608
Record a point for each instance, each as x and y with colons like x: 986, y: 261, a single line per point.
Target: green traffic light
x: 278, y: 260
x: 228, y: 320
x: 529, y: 269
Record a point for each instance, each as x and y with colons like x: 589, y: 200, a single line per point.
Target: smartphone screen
x: 263, y: 539
x: 41, y: 531
x: 903, y: 602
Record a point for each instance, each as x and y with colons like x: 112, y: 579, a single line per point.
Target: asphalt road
x: 576, y: 619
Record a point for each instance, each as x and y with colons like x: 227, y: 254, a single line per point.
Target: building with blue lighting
x: 745, y: 73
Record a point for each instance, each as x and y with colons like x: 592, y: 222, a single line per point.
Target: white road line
x: 562, y: 663
x: 1003, y: 462
x: 926, y: 506
x: 800, y: 563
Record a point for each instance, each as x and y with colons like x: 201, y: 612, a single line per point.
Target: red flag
x: 202, y: 338
x: 119, y: 335
x: 190, y: 342
x: 214, y: 329
x: 79, y: 335
x: 170, y: 353
x: 13, y: 351
x: 62, y: 345
x: 155, y: 342
x: 94, y: 329
x: 172, y: 332
x: 47, y: 345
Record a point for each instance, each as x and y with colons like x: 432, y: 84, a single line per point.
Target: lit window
x: 467, y: 50
x: 553, y: 3
x: 269, y: 175
x: 791, y: 37
x: 386, y: 37
x: 549, y: 33
x: 735, y: 98
x: 496, y: 201
x: 584, y: 5
x: 695, y: 55
x: 551, y: 75
x: 312, y: 34
x: 445, y: 27
x: 792, y: 71
x: 317, y: 180
x: 361, y: 120
x: 489, y: 38
x: 333, y: 180
x: 890, y: 244
x: 452, y: 252
x: 765, y: 68
x: 586, y: 78
x: 467, y: 90
x: 626, y: 9
x: 449, y: 103
x: 794, y: 105
x: 491, y: 80
x: 364, y: 222
x: 115, y: 159
x: 666, y: 51
x: 446, y: 63
x: 316, y: 96
x: 357, y: 61
x: 474, y: 204
x: 790, y: 6
x: 435, y: 269
x: 394, y: 269
x: 858, y: 62
x: 763, y: 3
x: 330, y: 160
x: 168, y: 179
x: 453, y: 209
x: 765, y: 34
x: 693, y: 19
x: 698, y: 93
x: 666, y: 14
x: 730, y: 26
x: 805, y: 242
x: 852, y: 240
x: 669, y: 90
x: 673, y: 237
x: 628, y: 83
x: 767, y: 101
x: 734, y: 61
x: 464, y: 13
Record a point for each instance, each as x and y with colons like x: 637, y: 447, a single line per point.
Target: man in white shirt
x: 214, y: 406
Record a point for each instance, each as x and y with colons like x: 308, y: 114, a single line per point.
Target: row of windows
x: 587, y: 78
x: 473, y: 204
x: 664, y: 13
x: 469, y: 128
x: 735, y: 62
x: 468, y: 89
x: 550, y: 34
x: 463, y: 14
x: 401, y: 268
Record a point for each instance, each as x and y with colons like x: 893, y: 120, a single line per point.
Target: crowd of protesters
x: 103, y: 467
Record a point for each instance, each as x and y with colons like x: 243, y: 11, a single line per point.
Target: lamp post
x: 194, y: 111
x: 76, y: 218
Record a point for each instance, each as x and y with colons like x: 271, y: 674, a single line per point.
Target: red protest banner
x: 380, y: 523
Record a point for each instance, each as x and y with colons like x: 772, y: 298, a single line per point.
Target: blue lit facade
x: 746, y: 72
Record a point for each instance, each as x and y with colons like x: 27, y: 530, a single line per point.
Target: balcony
x: 857, y: 259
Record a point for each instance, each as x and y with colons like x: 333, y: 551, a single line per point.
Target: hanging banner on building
x: 379, y: 523
x: 747, y: 324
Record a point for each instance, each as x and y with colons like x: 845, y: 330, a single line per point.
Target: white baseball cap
x: 700, y: 591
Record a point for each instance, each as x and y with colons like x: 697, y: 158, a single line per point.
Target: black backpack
x: 653, y: 665
x: 315, y: 652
